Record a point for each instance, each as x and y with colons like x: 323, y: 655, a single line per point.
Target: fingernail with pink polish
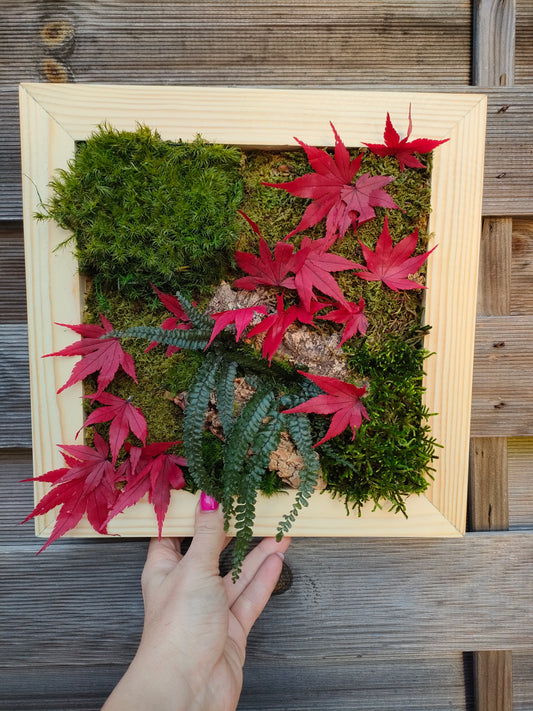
x: 208, y: 503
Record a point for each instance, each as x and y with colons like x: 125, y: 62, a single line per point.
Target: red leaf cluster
x: 404, y: 150
x: 343, y: 400
x: 335, y: 196
x: 98, y: 355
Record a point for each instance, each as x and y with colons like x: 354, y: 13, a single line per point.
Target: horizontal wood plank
x: 347, y: 598
x: 399, y: 682
x: 268, y: 42
x: 502, y: 396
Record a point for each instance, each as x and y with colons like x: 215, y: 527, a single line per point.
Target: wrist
x: 151, y: 685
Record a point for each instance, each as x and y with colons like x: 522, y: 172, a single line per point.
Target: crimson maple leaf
x: 275, y: 326
x: 403, y: 149
x: 104, y: 355
x: 124, y: 418
x: 154, y: 472
x: 351, y: 315
x: 342, y: 399
x: 315, y: 270
x: 86, y: 485
x: 240, y: 317
x: 268, y: 269
x: 392, y: 264
x: 332, y: 192
x: 180, y: 320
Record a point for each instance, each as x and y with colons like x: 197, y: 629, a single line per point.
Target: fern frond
x: 300, y: 431
x: 193, y: 422
x: 225, y: 389
x: 193, y: 339
x: 242, y: 436
x: 265, y: 443
x: 201, y: 321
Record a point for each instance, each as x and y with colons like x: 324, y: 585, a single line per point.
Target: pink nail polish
x: 208, y: 503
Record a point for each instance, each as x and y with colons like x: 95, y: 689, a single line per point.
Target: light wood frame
x: 55, y: 117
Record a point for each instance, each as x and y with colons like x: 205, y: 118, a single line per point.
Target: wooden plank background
x: 366, y: 624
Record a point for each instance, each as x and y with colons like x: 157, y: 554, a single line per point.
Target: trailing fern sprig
x: 265, y: 443
x: 193, y: 422
x: 225, y: 389
x: 240, y: 440
x: 193, y: 339
x: 300, y: 431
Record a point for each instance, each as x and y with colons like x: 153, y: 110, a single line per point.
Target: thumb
x: 209, y: 536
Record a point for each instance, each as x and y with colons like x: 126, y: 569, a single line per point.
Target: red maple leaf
x: 240, y: 317
x: 104, y: 355
x: 307, y: 315
x: 392, y: 264
x: 315, y: 270
x: 332, y: 192
x: 86, y: 485
x: 268, y: 269
x: 150, y: 471
x: 180, y: 320
x: 351, y: 315
x: 124, y: 418
x: 275, y: 326
x: 403, y: 149
x: 342, y: 398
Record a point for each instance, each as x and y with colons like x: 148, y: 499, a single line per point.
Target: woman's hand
x: 196, y: 623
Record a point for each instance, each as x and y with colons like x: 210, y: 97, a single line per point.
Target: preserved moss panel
x: 143, y: 211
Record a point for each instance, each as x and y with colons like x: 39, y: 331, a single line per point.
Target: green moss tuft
x: 142, y: 210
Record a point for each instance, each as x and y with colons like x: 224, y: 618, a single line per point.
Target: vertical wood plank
x: 493, y: 42
x: 494, y: 291
x: 489, y: 498
x: 495, y: 669
x: 493, y: 62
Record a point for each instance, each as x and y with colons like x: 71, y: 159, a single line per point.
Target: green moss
x: 391, y: 454
x: 142, y: 210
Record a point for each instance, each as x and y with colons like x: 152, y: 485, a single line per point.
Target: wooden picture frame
x: 55, y: 116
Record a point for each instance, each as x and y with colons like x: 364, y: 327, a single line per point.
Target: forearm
x: 151, y: 687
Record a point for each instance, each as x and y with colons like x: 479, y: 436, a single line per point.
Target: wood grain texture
x: 16, y: 501
x: 272, y: 42
x: 62, y: 114
x: 327, y: 687
x: 12, y: 277
x: 522, y: 681
x: 284, y: 686
x: 493, y: 42
x: 488, y: 495
x: 524, y: 43
x: 494, y: 680
x: 494, y: 284
x: 15, y: 422
x: 520, y: 457
x: 372, y: 597
x: 522, y: 267
x: 502, y: 399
